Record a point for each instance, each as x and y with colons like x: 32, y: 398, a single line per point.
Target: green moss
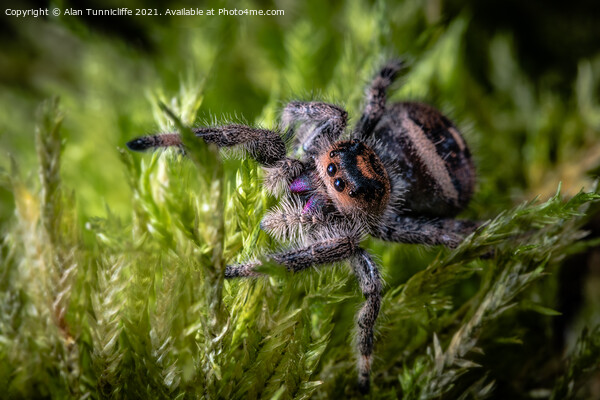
x: 111, y: 263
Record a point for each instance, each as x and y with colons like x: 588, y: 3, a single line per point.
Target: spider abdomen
x: 431, y: 157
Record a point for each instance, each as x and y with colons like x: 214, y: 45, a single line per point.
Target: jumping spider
x: 402, y: 176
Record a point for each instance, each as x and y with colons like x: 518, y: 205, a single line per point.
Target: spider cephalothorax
x: 354, y: 177
x: 403, y: 175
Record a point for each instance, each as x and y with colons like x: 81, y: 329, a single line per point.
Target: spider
x: 402, y: 176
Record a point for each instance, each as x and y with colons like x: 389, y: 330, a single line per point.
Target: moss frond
x: 111, y: 263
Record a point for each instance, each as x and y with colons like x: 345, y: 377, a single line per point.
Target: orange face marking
x: 365, y: 168
x: 360, y: 182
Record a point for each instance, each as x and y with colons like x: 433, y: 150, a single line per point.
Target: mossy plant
x: 118, y: 292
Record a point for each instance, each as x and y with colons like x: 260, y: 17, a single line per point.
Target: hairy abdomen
x: 430, y: 155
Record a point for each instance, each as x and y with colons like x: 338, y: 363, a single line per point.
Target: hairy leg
x: 264, y: 145
x: 405, y: 229
x: 376, y: 98
x: 367, y: 274
x: 290, y: 220
x: 279, y: 175
x: 322, y: 252
x: 369, y: 282
x: 329, y: 123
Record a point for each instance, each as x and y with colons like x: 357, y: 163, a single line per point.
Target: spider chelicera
x: 401, y: 176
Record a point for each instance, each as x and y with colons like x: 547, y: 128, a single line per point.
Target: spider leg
x: 321, y: 252
x: 431, y: 231
x: 279, y: 175
x: 290, y: 220
x: 329, y: 123
x: 367, y: 274
x: 369, y: 282
x: 376, y: 98
x: 264, y: 145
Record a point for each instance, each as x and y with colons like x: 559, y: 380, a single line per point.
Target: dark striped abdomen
x: 431, y: 156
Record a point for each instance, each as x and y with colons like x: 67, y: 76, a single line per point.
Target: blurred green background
x: 520, y: 78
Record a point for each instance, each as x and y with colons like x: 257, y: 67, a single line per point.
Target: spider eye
x: 331, y: 169
x: 352, y: 193
x: 339, y: 184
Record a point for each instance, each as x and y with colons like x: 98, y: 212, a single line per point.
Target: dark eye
x: 352, y: 193
x: 339, y: 184
x: 331, y: 169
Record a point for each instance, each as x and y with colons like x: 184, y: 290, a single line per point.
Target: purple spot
x: 312, y: 203
x: 300, y: 184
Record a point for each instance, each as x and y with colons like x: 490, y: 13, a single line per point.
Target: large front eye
x: 331, y: 169
x: 339, y: 184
